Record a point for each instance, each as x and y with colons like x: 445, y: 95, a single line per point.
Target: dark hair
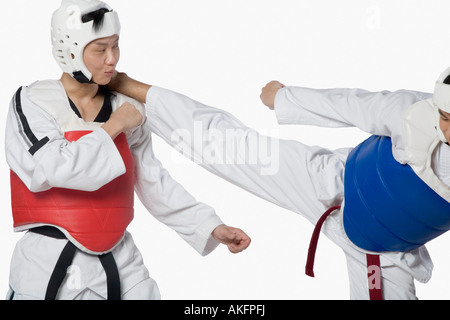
x: 447, y: 80
x: 97, y: 16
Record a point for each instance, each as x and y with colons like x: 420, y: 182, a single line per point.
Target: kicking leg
x: 304, y: 179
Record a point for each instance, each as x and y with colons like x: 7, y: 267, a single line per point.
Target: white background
x: 222, y: 53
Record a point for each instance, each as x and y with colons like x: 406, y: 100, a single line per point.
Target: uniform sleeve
x: 168, y: 201
x: 379, y: 113
x: 38, y: 153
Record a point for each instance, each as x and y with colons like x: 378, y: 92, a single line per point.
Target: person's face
x: 444, y: 123
x: 101, y: 57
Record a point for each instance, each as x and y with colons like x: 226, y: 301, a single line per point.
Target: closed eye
x: 443, y: 116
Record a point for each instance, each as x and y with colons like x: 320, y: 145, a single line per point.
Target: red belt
x: 373, y: 261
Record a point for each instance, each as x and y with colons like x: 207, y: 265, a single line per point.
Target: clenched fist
x: 269, y: 92
x: 125, y: 118
x: 235, y: 239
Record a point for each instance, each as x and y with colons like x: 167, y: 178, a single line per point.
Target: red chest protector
x: 94, y: 221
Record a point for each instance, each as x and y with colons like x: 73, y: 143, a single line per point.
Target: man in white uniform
x: 310, y: 180
x: 77, y: 153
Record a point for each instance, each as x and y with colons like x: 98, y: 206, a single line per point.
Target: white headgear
x: 73, y: 29
x: 441, y: 99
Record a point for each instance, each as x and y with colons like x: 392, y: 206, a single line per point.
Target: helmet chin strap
x: 81, y: 78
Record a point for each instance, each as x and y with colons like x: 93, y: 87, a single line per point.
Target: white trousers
x: 34, y: 259
x: 304, y: 179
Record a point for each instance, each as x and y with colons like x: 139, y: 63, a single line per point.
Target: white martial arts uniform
x: 86, y: 165
x: 309, y: 180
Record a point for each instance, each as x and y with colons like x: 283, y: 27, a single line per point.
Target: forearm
x: 86, y: 164
x: 112, y: 128
x: 374, y: 112
x: 132, y: 88
x: 169, y: 202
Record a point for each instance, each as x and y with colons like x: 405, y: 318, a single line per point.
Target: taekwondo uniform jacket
x: 39, y: 154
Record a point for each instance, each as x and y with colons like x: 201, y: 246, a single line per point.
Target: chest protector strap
x: 94, y: 221
x: 387, y: 206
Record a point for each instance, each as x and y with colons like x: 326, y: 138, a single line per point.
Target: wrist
x: 216, y: 232
x: 113, y: 128
x: 119, y: 82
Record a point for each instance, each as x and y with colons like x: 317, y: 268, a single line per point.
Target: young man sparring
x: 382, y: 200
x: 77, y: 153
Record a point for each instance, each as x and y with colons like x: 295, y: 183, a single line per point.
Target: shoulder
x: 38, y: 90
x: 121, y: 99
x: 43, y: 87
x: 45, y: 97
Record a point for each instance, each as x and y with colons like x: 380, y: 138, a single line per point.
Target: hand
x: 269, y: 92
x: 125, y: 118
x: 235, y: 239
x: 117, y: 81
x: 128, y: 116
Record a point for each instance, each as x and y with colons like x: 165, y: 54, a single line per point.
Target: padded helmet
x: 74, y: 25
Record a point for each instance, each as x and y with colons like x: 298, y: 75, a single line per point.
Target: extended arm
x: 196, y: 222
x: 377, y: 113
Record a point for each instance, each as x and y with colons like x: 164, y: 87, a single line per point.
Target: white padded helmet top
x: 73, y: 29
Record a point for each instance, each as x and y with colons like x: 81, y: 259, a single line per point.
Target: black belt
x: 65, y: 260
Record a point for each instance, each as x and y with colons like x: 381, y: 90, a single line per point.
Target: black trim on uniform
x: 106, y: 110
x: 35, y: 148
x: 23, y: 119
x: 36, y: 144
x: 74, y: 108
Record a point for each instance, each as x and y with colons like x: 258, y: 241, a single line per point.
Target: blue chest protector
x: 387, y: 206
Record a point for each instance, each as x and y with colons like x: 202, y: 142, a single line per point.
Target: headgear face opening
x: 441, y: 99
x: 74, y: 25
